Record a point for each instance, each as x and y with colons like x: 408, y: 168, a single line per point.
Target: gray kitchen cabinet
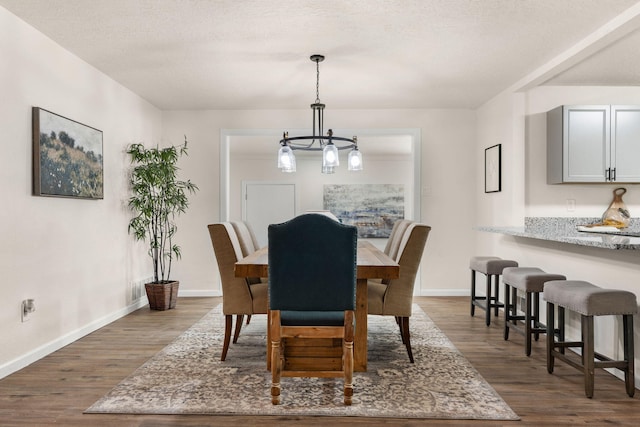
x: 593, y: 143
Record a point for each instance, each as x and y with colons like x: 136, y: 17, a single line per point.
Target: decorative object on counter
x: 617, y: 214
x: 615, y: 218
x: 493, y: 169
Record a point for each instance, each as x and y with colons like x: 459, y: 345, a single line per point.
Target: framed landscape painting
x: 372, y: 208
x: 67, y: 157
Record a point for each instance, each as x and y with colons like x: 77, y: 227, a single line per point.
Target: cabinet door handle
x: 607, y: 174
x: 614, y: 174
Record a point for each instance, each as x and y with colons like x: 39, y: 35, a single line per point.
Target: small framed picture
x: 493, y: 169
x: 67, y: 157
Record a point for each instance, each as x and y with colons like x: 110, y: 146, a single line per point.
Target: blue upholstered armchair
x: 312, y: 294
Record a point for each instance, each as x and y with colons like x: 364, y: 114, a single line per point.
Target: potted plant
x: 158, y: 198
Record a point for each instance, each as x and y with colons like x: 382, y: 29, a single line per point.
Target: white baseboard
x: 46, y: 349
x: 199, y: 293
x: 422, y: 293
x: 444, y: 293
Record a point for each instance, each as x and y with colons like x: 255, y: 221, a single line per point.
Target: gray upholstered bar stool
x: 491, y: 267
x: 531, y: 281
x: 590, y: 300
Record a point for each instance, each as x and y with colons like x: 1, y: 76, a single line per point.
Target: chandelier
x: 328, y: 144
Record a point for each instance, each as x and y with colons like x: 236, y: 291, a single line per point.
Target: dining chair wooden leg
x: 276, y: 359
x: 239, y: 320
x: 276, y: 369
x: 347, y: 354
x: 228, y: 320
x: 399, y: 322
x: 406, y: 336
x: 248, y: 318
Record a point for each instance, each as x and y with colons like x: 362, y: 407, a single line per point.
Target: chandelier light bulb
x: 330, y: 155
x: 355, y: 160
x: 286, y: 159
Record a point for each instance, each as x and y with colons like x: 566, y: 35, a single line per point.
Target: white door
x: 267, y: 203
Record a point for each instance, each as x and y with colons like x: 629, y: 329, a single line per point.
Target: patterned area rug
x: 187, y: 377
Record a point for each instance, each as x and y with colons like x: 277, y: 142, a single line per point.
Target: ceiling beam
x: 614, y: 30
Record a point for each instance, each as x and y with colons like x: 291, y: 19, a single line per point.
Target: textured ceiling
x: 253, y: 54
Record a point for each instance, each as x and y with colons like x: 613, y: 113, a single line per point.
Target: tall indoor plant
x: 158, y: 197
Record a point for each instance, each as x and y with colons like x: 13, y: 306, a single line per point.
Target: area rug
x: 187, y: 377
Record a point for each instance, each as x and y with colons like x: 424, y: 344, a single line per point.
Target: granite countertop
x: 558, y: 229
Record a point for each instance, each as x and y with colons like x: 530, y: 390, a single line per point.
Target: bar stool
x: 590, y: 300
x: 491, y: 267
x: 530, y: 280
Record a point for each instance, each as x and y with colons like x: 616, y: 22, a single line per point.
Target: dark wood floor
x: 56, y: 389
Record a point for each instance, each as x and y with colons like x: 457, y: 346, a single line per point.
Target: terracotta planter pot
x: 162, y: 296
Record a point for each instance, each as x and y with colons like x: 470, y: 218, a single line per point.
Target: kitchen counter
x: 558, y: 229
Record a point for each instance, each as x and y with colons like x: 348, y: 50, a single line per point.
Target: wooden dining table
x: 372, y: 263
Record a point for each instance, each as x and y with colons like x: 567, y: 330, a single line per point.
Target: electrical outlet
x: 571, y: 205
x: 28, y: 308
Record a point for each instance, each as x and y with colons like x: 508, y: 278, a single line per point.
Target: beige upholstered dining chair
x: 248, y: 242
x: 396, y: 297
x: 393, y: 244
x: 238, y: 296
x: 248, y: 245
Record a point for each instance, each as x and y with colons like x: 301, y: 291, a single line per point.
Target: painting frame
x: 67, y: 157
x: 493, y: 169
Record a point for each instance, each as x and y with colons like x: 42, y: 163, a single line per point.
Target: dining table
x: 372, y: 263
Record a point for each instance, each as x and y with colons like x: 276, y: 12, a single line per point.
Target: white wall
x: 447, y: 164
x: 73, y: 257
x: 532, y: 196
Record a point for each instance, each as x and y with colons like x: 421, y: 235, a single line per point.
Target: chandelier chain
x: 317, y: 82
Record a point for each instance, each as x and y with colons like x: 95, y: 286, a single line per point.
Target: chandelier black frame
x: 328, y: 144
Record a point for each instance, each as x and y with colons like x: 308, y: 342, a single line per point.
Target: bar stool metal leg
x: 507, y: 310
x: 488, y: 301
x: 629, y: 374
x: 588, y: 359
x: 514, y: 305
x: 496, y: 290
x: 473, y: 292
x: 536, y: 316
x: 550, y: 337
x: 527, y: 324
